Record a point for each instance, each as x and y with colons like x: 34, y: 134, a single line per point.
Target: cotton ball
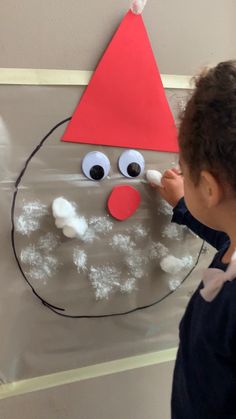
x: 154, y: 177
x: 172, y: 265
x: 60, y: 222
x: 69, y: 232
x: 174, y: 284
x: 61, y: 208
x: 137, y: 6
x: 76, y: 226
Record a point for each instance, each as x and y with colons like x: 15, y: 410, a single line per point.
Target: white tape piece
x: 45, y: 77
x: 99, y: 370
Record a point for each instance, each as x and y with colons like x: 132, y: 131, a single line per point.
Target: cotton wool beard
x: 106, y: 279
x: 172, y: 265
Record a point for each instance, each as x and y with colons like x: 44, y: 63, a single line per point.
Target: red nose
x: 123, y: 202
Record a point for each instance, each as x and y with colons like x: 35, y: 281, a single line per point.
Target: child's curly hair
x: 207, y: 134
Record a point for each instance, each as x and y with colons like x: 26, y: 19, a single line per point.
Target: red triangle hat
x: 124, y: 104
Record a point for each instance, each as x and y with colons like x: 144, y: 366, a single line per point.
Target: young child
x: 204, y: 383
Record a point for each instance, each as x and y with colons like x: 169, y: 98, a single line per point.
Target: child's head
x: 207, y: 139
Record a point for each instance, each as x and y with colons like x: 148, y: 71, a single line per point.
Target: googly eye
x: 131, y: 163
x: 96, y: 165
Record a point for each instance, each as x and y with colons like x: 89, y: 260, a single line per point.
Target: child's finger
x: 166, y: 183
x: 176, y: 170
x: 169, y: 174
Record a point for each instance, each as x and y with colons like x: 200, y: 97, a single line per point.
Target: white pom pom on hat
x: 137, y: 6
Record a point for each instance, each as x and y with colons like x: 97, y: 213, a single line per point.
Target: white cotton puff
x: 154, y: 177
x: 172, y: 265
x: 174, y: 284
x: 60, y: 222
x: 66, y: 218
x: 69, y: 232
x: 61, y: 208
x: 75, y: 227
x: 137, y: 6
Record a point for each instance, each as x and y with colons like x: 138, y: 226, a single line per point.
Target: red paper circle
x: 123, y: 202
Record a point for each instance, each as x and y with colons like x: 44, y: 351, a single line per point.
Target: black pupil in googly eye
x: 133, y: 169
x: 97, y: 172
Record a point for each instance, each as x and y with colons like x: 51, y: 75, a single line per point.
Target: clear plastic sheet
x: 51, y: 317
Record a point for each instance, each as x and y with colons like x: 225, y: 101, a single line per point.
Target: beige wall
x: 72, y: 33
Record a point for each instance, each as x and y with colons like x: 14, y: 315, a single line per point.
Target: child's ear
x: 212, y: 190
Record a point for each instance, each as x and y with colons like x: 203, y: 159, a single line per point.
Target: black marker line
x: 18, y: 180
x: 50, y: 306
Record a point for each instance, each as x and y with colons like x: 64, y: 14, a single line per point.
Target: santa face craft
x: 90, y: 236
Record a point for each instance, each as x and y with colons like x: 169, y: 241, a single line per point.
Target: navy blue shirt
x: 204, y: 382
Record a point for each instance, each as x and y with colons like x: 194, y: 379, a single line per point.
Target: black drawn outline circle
x: 58, y: 310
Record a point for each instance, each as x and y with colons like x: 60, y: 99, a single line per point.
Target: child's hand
x: 172, y: 188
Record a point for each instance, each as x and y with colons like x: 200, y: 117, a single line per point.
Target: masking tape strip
x: 99, y: 370
x: 31, y: 76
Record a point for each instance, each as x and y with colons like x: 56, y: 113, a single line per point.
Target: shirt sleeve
x: 182, y: 216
